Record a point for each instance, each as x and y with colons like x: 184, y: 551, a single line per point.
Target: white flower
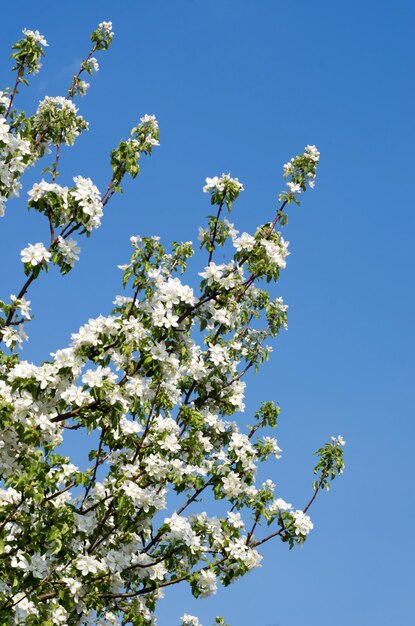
x: 276, y: 253
x: 93, y: 64
x: 96, y: 378
x: 164, y: 317
x: 89, y: 199
x: 252, y: 558
x: 207, y: 583
x: 150, y: 120
x: 111, y: 619
x: 74, y: 586
x: 288, y: 168
x: 19, y: 561
x: 56, y: 119
x: 58, y: 102
x: 279, y: 505
x: 189, y: 620
x: 10, y: 336
x: 217, y: 354
x: 302, y: 523
x: 275, y: 449
x: 88, y: 565
x: 312, y: 153
x: 235, y: 520
x: 218, y: 185
x: 107, y: 27
x: 294, y: 188
x: 244, y: 242
x: 23, y: 306
x: 213, y: 273
x: 24, y: 607
x: 4, y: 99
x: 232, y: 485
x: 213, y: 184
x: 69, y: 250
x: 22, y: 370
x: 338, y: 441
x: 59, y: 615
x: 82, y: 87
x: 35, y: 35
x: 39, y: 190
x: 35, y: 254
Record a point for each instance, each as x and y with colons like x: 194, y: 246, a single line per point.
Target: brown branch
x: 276, y: 534
x: 57, y: 493
x: 63, y: 416
x: 316, y: 490
x: 251, y: 532
x: 165, y: 584
x: 81, y: 69
x: 14, y: 92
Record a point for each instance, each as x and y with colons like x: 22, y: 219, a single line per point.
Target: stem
x: 316, y: 490
x: 276, y: 534
x: 81, y: 69
x: 215, y: 230
x: 20, y: 295
x: 251, y: 532
x: 58, y: 493
x: 150, y: 417
x: 57, y: 155
x: 97, y: 464
x: 174, y: 581
x: 14, y: 92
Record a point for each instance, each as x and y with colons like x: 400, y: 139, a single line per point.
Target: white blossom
x: 213, y: 273
x: 207, y: 583
x: 69, y: 250
x: 35, y: 254
x: 244, y: 242
x: 88, y: 198
x: 294, y: 188
x: 35, y: 35
x: 189, y: 620
x: 88, y: 565
x: 218, y: 184
x: 302, y: 523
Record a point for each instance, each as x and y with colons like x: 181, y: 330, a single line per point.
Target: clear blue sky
x: 241, y: 86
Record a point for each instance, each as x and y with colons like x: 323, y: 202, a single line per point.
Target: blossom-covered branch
x: 159, y: 383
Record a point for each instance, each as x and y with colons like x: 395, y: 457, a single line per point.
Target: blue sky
x: 240, y: 87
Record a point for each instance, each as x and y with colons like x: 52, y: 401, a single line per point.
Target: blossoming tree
x: 157, y: 382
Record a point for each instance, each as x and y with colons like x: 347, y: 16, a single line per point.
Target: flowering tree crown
x: 159, y: 383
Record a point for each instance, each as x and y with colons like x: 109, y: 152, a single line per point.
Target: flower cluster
x: 56, y: 121
x: 35, y: 37
x: 102, y: 36
x: 302, y: 172
x: 69, y: 251
x: 223, y: 189
x: 28, y: 52
x: 189, y: 620
x: 91, y: 65
x: 34, y: 255
x: 81, y: 204
x: 125, y: 158
x: 15, y: 157
x: 89, y: 205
